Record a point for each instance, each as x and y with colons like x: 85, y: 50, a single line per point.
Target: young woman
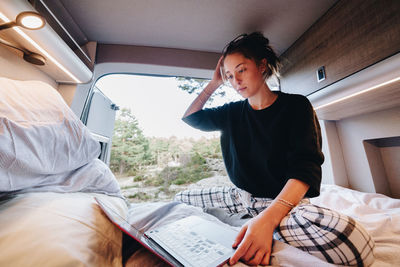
x: 271, y: 145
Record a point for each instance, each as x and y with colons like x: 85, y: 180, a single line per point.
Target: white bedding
x: 69, y: 229
x: 49, y: 174
x: 44, y: 146
x: 379, y: 214
x: 150, y: 215
x: 54, y: 229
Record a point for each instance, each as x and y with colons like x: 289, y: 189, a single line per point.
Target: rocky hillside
x: 139, y: 191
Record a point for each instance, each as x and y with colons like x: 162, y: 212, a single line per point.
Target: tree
x: 130, y: 148
x: 195, y: 85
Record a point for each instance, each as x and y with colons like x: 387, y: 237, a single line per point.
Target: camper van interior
x: 56, y: 128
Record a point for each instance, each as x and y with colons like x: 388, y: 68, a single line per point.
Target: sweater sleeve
x: 305, y: 155
x: 209, y: 119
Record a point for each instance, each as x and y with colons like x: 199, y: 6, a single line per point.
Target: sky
x: 157, y: 103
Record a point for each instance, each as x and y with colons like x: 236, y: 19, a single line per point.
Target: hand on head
x: 217, y: 77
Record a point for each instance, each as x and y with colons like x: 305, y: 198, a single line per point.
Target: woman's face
x: 244, y: 74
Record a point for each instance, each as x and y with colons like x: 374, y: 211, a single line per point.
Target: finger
x: 218, y: 73
x: 220, y: 59
x: 219, y: 64
x: 256, y: 260
x: 265, y: 260
x: 240, y: 236
x: 251, y: 253
x: 240, y: 251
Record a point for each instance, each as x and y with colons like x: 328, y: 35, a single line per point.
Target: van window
x: 154, y: 154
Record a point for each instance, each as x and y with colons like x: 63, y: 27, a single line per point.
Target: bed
x: 379, y: 214
x: 50, y: 175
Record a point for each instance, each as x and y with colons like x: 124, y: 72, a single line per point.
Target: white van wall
x: 352, y: 132
x: 67, y: 91
x: 334, y: 168
x: 14, y: 67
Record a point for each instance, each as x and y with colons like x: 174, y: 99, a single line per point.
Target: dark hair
x: 256, y: 47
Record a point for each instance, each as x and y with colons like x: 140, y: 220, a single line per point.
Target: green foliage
x: 194, y: 85
x: 130, y: 148
x: 208, y: 148
x: 141, y: 196
x: 155, y: 181
x: 139, y: 178
x: 133, y: 154
x: 197, y: 159
x: 191, y: 85
x: 128, y: 187
x: 191, y: 172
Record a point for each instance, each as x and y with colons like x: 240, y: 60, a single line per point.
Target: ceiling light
x: 30, y: 20
x: 37, y: 46
x: 359, y: 93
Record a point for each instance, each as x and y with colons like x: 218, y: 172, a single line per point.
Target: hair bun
x: 258, y: 37
x: 254, y: 46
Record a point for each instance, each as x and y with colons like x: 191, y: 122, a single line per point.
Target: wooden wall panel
x: 351, y: 36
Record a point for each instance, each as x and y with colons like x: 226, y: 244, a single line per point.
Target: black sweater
x: 262, y: 149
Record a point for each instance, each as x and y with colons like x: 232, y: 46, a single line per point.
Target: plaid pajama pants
x: 324, y: 233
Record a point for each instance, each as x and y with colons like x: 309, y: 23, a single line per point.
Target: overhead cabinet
x: 350, y: 37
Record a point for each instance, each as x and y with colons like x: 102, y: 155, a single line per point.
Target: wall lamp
x: 28, y: 20
x: 28, y: 56
x: 39, y: 47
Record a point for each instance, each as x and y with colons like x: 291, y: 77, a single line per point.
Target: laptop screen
x: 137, y: 235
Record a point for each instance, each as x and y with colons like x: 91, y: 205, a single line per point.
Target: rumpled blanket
x: 379, y: 214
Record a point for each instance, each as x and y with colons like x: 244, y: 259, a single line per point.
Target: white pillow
x: 51, y: 229
x: 39, y: 134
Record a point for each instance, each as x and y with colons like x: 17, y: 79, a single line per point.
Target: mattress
x: 69, y: 229
x: 379, y: 214
x: 58, y: 229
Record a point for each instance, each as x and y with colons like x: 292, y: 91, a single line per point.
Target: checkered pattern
x: 322, y: 232
x: 227, y: 198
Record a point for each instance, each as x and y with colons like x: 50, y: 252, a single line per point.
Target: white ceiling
x: 205, y: 25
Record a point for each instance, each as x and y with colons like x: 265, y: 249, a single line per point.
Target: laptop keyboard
x: 195, y: 249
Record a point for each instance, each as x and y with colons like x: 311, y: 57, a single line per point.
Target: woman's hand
x: 211, y: 87
x: 217, y: 78
x: 255, y: 239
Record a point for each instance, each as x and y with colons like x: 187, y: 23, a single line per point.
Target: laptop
x: 191, y: 241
